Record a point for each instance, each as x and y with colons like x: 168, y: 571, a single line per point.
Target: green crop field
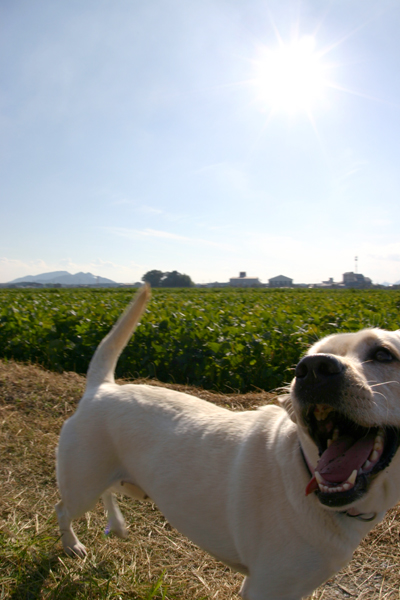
x: 221, y: 339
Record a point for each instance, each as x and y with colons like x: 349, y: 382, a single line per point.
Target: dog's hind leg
x: 265, y: 586
x: 73, y: 506
x: 71, y: 544
x: 84, y: 469
x: 116, y: 522
x: 76, y: 501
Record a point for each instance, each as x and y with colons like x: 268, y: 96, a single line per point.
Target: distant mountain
x: 65, y: 278
x: 43, y: 278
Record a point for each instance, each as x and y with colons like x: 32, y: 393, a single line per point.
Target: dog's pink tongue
x: 341, y: 458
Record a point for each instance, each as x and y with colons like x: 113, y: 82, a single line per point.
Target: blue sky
x: 173, y: 135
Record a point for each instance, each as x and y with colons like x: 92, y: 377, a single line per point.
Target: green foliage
x: 176, y: 280
x: 171, y: 279
x: 153, y: 277
x: 222, y: 339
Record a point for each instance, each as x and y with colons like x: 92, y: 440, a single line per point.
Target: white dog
x: 282, y: 495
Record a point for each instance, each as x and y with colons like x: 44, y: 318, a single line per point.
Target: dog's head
x: 346, y: 400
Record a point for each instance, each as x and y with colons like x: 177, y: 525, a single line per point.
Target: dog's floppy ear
x: 286, y: 402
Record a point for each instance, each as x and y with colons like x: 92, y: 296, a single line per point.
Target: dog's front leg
x: 71, y: 544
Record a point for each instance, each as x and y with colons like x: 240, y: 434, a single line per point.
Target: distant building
x: 244, y: 281
x: 217, y: 284
x: 330, y: 283
x: 280, y: 281
x: 212, y: 284
x: 356, y: 280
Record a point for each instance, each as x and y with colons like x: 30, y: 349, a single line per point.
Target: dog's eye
x: 383, y: 355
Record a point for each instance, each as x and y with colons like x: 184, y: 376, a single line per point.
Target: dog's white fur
x: 232, y: 482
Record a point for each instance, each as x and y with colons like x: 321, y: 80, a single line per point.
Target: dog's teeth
x: 378, y: 444
x: 373, y: 456
x: 381, y: 432
x: 352, y: 478
x: 318, y: 477
x: 328, y: 443
x: 335, y: 435
x: 347, y: 485
x: 367, y: 464
x: 333, y: 489
x: 320, y: 482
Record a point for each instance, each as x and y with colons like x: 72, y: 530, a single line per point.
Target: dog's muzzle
x: 350, y: 454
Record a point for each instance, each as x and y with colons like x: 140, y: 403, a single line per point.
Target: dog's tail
x: 102, y: 366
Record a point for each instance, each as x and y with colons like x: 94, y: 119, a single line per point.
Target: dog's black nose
x: 319, y: 379
x: 318, y: 367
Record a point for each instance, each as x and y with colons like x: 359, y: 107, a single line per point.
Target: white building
x: 244, y: 281
x: 280, y: 281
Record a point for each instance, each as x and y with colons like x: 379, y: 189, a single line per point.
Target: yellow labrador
x: 282, y: 494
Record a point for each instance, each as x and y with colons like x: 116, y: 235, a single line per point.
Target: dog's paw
x: 75, y: 550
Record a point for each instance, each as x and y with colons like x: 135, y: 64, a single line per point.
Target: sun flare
x: 290, y: 78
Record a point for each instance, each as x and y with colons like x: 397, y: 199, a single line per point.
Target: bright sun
x: 290, y: 78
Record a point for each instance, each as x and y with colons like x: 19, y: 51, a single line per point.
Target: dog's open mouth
x: 350, y: 454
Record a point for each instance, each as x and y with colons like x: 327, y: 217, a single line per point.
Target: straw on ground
x: 155, y: 561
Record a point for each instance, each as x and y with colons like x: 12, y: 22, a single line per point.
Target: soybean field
x: 222, y: 339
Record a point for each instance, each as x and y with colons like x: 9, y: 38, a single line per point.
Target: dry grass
x: 155, y: 561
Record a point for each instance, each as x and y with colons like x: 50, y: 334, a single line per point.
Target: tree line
x: 167, y: 279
